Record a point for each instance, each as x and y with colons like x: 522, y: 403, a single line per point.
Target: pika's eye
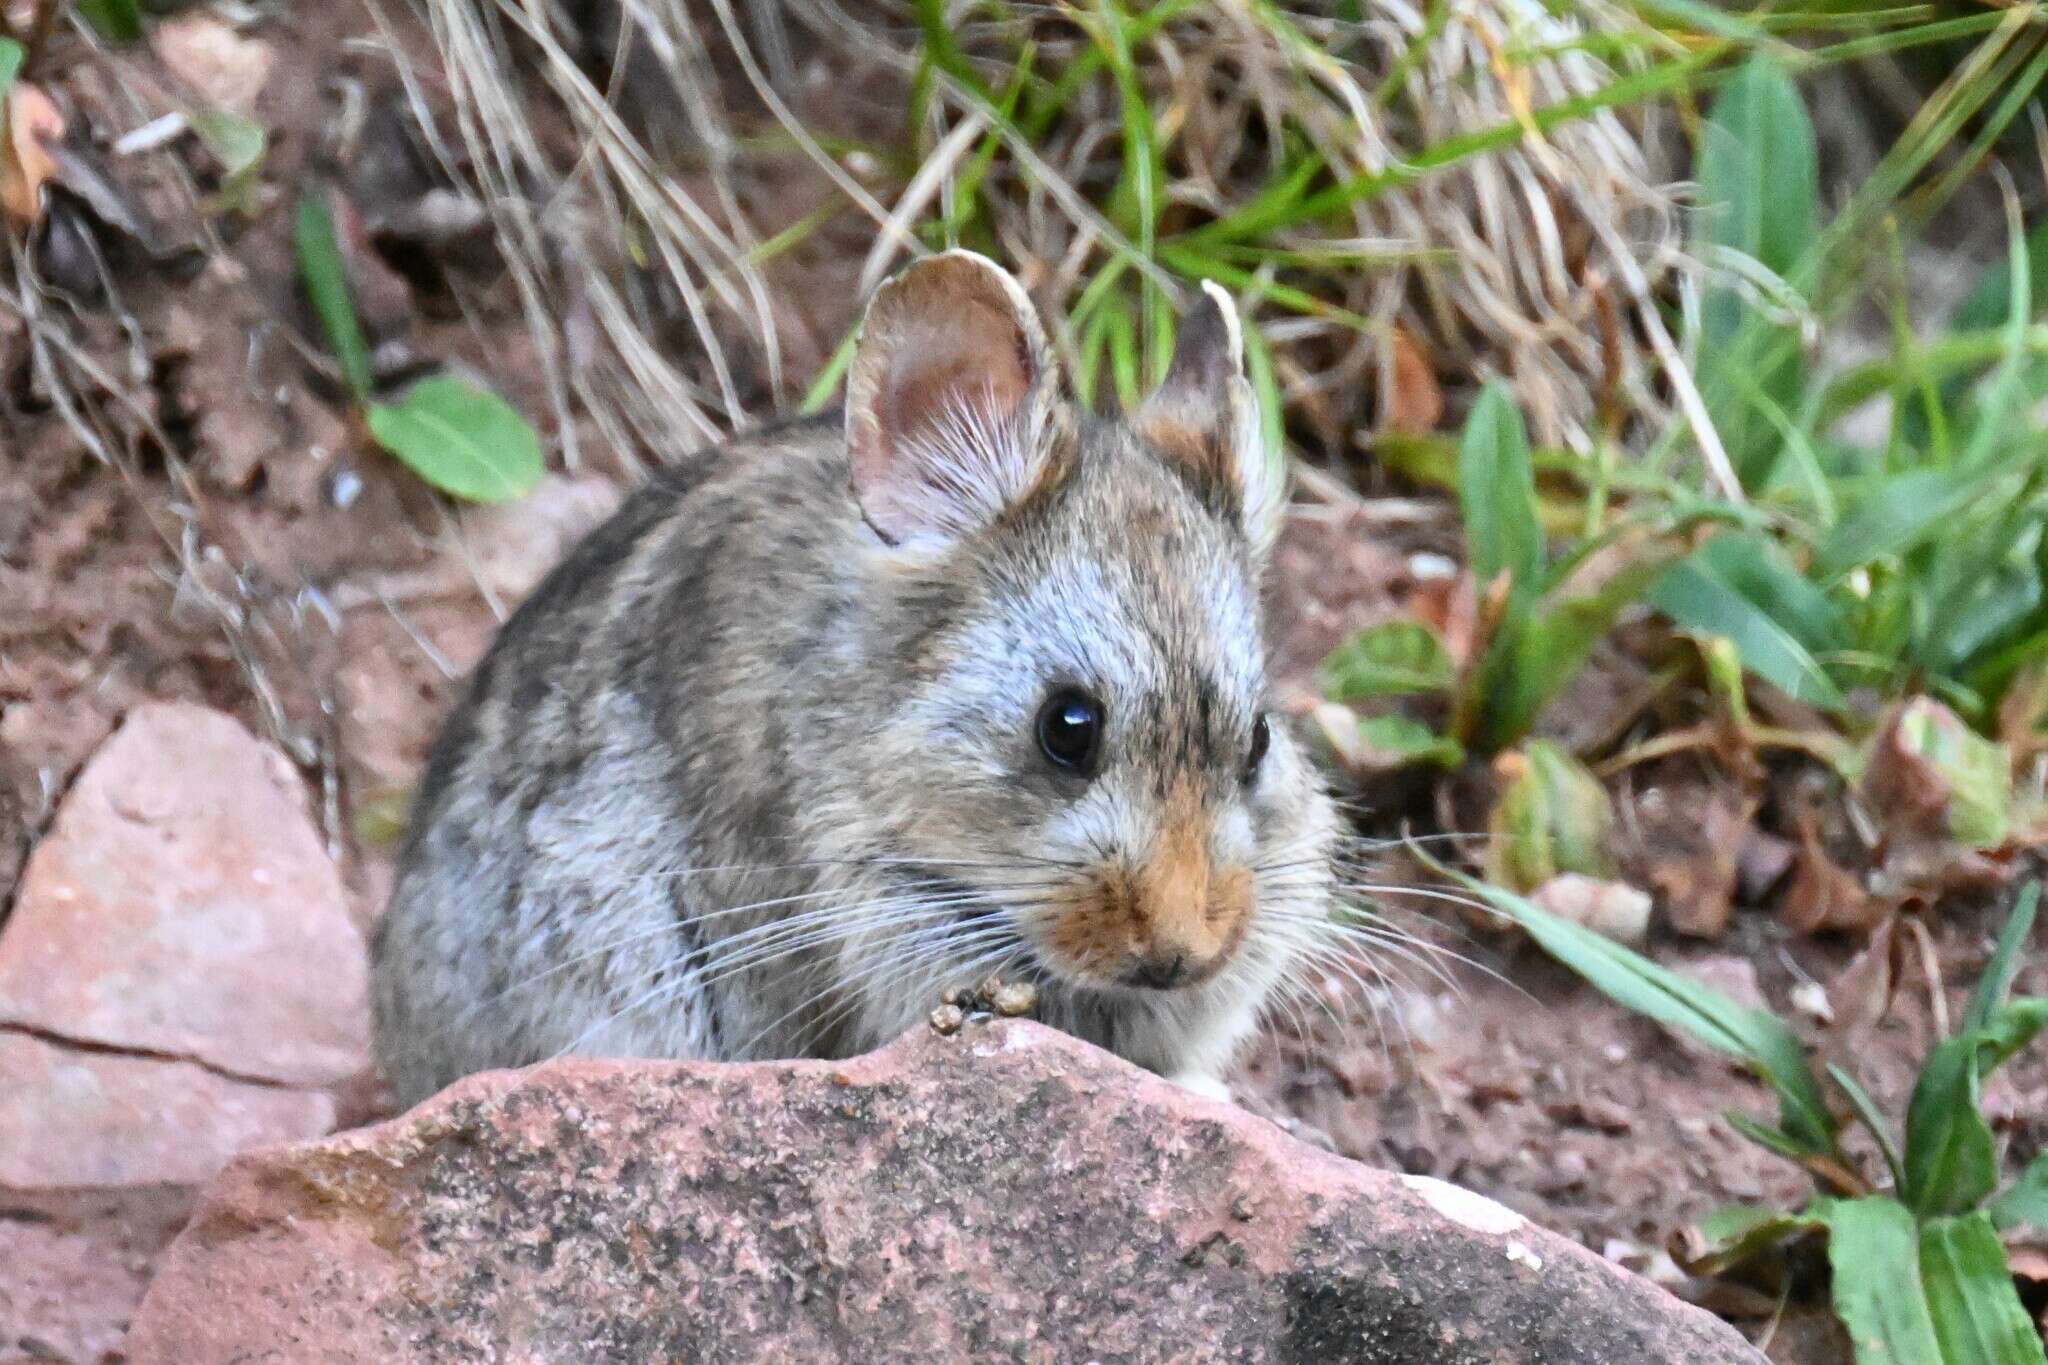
x: 1070, y: 731
x: 1262, y: 736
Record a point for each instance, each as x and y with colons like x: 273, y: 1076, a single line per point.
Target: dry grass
x: 1354, y: 177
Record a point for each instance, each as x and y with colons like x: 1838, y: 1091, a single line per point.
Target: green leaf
x: 1759, y: 194
x: 1733, y: 1236
x: 1497, y: 493
x: 118, y: 21
x: 1759, y: 1040
x: 1866, y: 1110
x: 1906, y: 510
x: 1759, y: 176
x: 238, y: 145
x: 326, y: 279
x: 463, y: 440
x: 1976, y: 1312
x: 1951, y: 1161
x: 11, y: 56
x: 1974, y: 775
x: 1874, y: 1252
x: 1739, y: 587
x: 1396, y: 741
x: 1552, y: 817
x: 1532, y: 659
x: 2024, y: 1203
x: 1396, y: 658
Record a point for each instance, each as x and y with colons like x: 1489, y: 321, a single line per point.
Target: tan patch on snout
x: 1176, y: 906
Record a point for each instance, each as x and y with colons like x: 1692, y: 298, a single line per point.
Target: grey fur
x: 735, y: 705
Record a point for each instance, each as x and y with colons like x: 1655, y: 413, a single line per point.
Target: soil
x: 205, y: 520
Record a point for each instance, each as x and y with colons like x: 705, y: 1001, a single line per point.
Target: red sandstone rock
x: 182, y: 904
x: 94, y: 1120
x: 76, y: 1264
x: 1006, y: 1193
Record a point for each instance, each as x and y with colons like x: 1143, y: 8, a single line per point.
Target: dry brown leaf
x: 1449, y: 607
x: 1414, y: 401
x: 25, y: 160
x: 1690, y: 853
x: 1822, y: 895
x: 1862, y: 991
x: 229, y: 70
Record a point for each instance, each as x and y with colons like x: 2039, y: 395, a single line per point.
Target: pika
x: 851, y: 710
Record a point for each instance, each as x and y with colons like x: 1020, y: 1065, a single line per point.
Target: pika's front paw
x: 1201, y: 1083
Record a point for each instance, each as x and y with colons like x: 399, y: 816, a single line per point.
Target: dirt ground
x: 193, y: 513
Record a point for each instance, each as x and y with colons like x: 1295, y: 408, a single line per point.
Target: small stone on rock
x: 947, y: 1019
x: 1011, y: 1001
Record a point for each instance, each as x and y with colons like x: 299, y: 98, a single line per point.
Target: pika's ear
x: 1204, y: 418
x: 948, y: 400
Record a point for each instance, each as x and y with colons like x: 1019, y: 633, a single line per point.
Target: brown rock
x: 71, y: 1119
x: 1007, y: 1193
x: 183, y: 905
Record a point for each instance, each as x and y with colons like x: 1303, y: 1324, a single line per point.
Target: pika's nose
x: 1159, y: 973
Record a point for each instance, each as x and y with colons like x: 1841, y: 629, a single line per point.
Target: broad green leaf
x: 1951, y: 1161
x: 1738, y: 587
x: 11, y: 55
x: 1397, y: 741
x: 1395, y: 658
x: 1759, y: 195
x: 238, y: 144
x: 463, y: 440
x: 1553, y: 817
x: 118, y: 21
x: 1874, y: 1252
x: 1759, y: 1040
x: 1977, y: 1315
x: 326, y: 278
x: 1759, y: 177
x: 1905, y: 510
x: 2024, y: 1203
x: 1497, y: 492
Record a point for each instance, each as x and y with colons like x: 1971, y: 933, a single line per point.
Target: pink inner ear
x: 978, y: 360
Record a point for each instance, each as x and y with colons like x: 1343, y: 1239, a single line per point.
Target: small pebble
x: 1014, y: 1000
x: 954, y: 995
x: 946, y: 1020
x: 990, y: 984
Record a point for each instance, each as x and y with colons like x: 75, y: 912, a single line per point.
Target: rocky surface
x: 180, y: 979
x: 183, y: 905
x: 1005, y: 1193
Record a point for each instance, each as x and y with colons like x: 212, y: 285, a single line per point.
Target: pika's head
x: 1079, y: 737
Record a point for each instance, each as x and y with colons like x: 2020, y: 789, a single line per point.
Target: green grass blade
x: 1989, y: 997
x: 1759, y: 1040
x: 1905, y: 510
x: 1867, y: 1111
x: 11, y: 56
x: 325, y: 275
x: 1737, y: 587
